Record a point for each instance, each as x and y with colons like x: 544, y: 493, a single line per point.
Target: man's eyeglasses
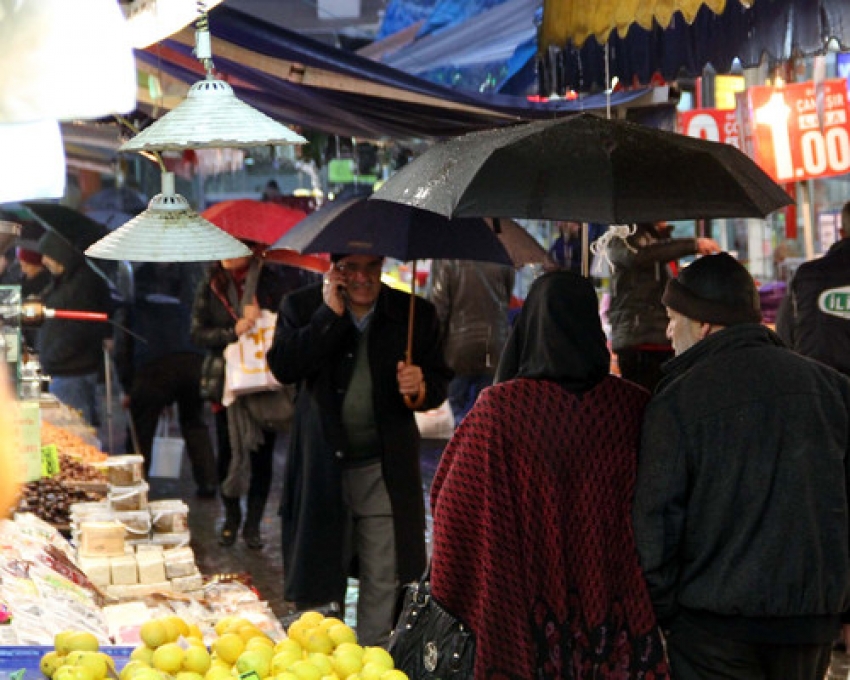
x: 368, y: 268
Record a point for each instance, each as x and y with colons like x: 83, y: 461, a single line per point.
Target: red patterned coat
x: 533, y: 542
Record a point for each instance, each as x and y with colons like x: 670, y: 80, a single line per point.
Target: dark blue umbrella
x: 358, y: 226
x: 374, y: 227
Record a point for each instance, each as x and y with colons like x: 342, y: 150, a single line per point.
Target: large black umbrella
x: 78, y: 230
x: 585, y: 168
x: 367, y: 227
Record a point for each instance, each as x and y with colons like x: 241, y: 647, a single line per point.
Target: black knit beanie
x: 715, y: 289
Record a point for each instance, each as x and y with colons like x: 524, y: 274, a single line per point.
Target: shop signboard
x: 800, y: 131
x: 715, y: 125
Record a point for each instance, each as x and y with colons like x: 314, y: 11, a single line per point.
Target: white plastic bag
x: 167, y: 450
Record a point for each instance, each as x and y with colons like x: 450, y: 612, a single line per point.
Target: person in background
x: 220, y: 315
x: 472, y: 301
x: 641, y: 269
x: 741, y: 505
x: 159, y: 366
x: 271, y: 192
x: 532, y: 541
x: 566, y: 251
x: 814, y: 317
x: 352, y: 490
x: 71, y: 352
x: 35, y: 278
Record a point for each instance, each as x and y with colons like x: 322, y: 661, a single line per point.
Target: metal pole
x: 107, y: 364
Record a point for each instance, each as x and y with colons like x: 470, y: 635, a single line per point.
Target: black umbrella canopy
x: 78, y: 229
x: 368, y: 227
x: 585, y: 168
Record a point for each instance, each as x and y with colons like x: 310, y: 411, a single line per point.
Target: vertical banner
x: 799, y: 132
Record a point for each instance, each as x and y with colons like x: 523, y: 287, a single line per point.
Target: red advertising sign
x: 801, y: 131
x: 712, y: 124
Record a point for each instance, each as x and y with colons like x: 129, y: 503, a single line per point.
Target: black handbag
x: 428, y: 642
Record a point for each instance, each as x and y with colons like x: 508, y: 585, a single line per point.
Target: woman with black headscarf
x: 532, y: 544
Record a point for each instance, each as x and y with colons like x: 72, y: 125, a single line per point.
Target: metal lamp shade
x: 168, y: 231
x: 211, y: 116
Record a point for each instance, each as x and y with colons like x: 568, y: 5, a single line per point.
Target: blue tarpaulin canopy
x: 300, y: 81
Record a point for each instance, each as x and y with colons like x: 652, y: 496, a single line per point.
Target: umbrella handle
x: 409, y: 401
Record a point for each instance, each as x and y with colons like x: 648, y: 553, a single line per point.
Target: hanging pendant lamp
x: 168, y: 231
x: 211, y: 116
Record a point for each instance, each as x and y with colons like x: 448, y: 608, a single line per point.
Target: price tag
x: 801, y: 131
x: 49, y: 460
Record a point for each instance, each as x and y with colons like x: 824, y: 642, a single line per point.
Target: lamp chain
x: 203, y: 40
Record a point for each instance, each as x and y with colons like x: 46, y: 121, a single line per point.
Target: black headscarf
x: 558, y: 335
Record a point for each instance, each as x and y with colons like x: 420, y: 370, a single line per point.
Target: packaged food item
x: 101, y: 539
x: 179, y: 562
x: 183, y: 584
x: 169, y: 516
x: 123, y: 470
x: 126, y: 498
x: 177, y: 539
x: 136, y: 522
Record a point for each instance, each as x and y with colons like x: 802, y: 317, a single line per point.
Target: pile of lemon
x: 76, y: 656
x: 316, y: 648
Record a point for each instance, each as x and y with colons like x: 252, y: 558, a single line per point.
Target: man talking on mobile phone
x: 352, y: 498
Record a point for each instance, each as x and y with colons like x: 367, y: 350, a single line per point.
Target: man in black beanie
x: 741, y: 505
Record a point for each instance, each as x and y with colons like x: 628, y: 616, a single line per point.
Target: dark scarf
x: 558, y: 335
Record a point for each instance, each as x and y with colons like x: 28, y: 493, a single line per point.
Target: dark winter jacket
x: 816, y: 319
x: 214, y: 316
x: 68, y: 348
x: 159, y: 313
x: 639, y: 275
x: 472, y: 300
x: 314, y: 347
x: 741, y: 509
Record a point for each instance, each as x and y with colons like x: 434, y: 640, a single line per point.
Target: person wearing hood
x: 71, y: 352
x: 741, y: 510
x: 532, y: 541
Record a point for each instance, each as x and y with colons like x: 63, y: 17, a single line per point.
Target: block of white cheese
x: 124, y: 571
x: 98, y: 569
x: 151, y: 567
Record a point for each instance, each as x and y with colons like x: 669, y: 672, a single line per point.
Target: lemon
x: 154, y: 633
x: 147, y: 674
x: 322, y: 662
x: 349, y: 648
x: 317, y: 640
x: 283, y: 660
x: 50, y: 662
x: 235, y: 623
x: 379, y: 656
x: 260, y: 641
x: 304, y: 670
x: 196, y: 660
x: 180, y: 624
x: 329, y: 621
x: 130, y: 669
x: 61, y: 640
x: 94, y: 661
x: 228, y: 647
x: 218, y: 673
x: 286, y: 645
x: 311, y: 619
x: 346, y: 663
x: 286, y: 675
x: 298, y: 631
x: 372, y: 671
x: 142, y: 653
x: 168, y: 658
x: 188, y: 675
x: 254, y: 660
x: 394, y: 674
x: 340, y: 632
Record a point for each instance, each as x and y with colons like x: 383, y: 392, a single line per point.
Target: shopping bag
x: 246, y: 369
x: 167, y: 450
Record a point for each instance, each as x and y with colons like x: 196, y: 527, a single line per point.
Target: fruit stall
x: 97, y: 582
